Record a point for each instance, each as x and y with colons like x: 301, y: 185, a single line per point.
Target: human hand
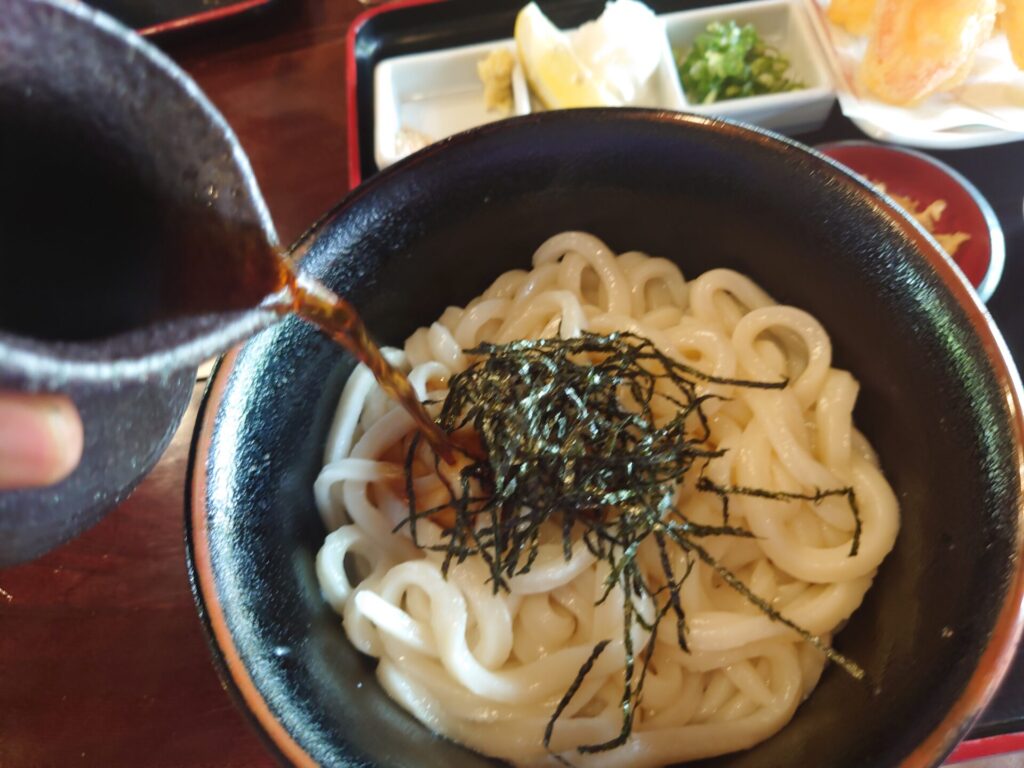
x: 40, y: 439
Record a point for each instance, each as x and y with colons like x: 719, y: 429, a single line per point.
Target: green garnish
x: 568, y: 436
x: 728, y: 61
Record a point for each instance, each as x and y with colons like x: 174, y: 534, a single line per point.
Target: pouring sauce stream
x: 317, y: 304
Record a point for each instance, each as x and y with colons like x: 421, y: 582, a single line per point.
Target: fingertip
x: 41, y: 439
x: 68, y: 436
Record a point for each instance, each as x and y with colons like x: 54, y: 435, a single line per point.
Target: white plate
x: 425, y: 97
x: 957, y: 138
x: 888, y: 125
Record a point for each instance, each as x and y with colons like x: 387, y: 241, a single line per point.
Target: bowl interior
x: 439, y: 227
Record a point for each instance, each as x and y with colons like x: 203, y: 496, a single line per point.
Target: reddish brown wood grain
x: 102, y: 658
x: 280, y: 84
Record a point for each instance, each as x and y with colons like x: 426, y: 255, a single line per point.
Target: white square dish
x: 784, y: 25
x: 663, y: 90
x: 421, y: 98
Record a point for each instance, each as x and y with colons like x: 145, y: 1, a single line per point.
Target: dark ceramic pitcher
x: 121, y: 189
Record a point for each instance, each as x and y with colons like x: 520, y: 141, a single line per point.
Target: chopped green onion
x: 728, y: 61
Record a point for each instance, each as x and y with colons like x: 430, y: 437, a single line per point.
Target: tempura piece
x: 919, y: 47
x: 496, y: 74
x: 1012, y: 22
x: 951, y: 241
x: 852, y: 15
x: 928, y: 217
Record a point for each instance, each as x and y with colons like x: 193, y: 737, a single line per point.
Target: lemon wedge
x: 555, y: 73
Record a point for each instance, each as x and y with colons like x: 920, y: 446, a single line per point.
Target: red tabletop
x: 102, y: 658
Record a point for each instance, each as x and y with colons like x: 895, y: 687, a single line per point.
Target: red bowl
x: 907, y: 173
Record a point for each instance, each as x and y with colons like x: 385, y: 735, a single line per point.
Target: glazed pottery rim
x: 998, y: 652
x: 997, y: 240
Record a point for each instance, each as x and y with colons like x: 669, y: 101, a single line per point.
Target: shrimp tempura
x: 852, y: 15
x: 1012, y: 21
x: 918, y: 47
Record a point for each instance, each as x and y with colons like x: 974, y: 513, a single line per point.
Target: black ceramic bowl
x: 939, y: 400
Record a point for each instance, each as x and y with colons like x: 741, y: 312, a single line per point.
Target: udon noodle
x: 488, y: 668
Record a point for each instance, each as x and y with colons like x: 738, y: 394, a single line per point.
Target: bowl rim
x: 1006, y: 632
x: 997, y: 241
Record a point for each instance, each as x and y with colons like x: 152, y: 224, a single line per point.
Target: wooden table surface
x: 102, y: 658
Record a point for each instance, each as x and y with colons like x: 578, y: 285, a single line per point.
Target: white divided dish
x: 785, y: 26
x: 425, y: 97
x: 663, y: 90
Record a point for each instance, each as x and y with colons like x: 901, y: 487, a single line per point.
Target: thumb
x: 40, y: 439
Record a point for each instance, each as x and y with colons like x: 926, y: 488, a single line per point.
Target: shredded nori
x: 567, y: 434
